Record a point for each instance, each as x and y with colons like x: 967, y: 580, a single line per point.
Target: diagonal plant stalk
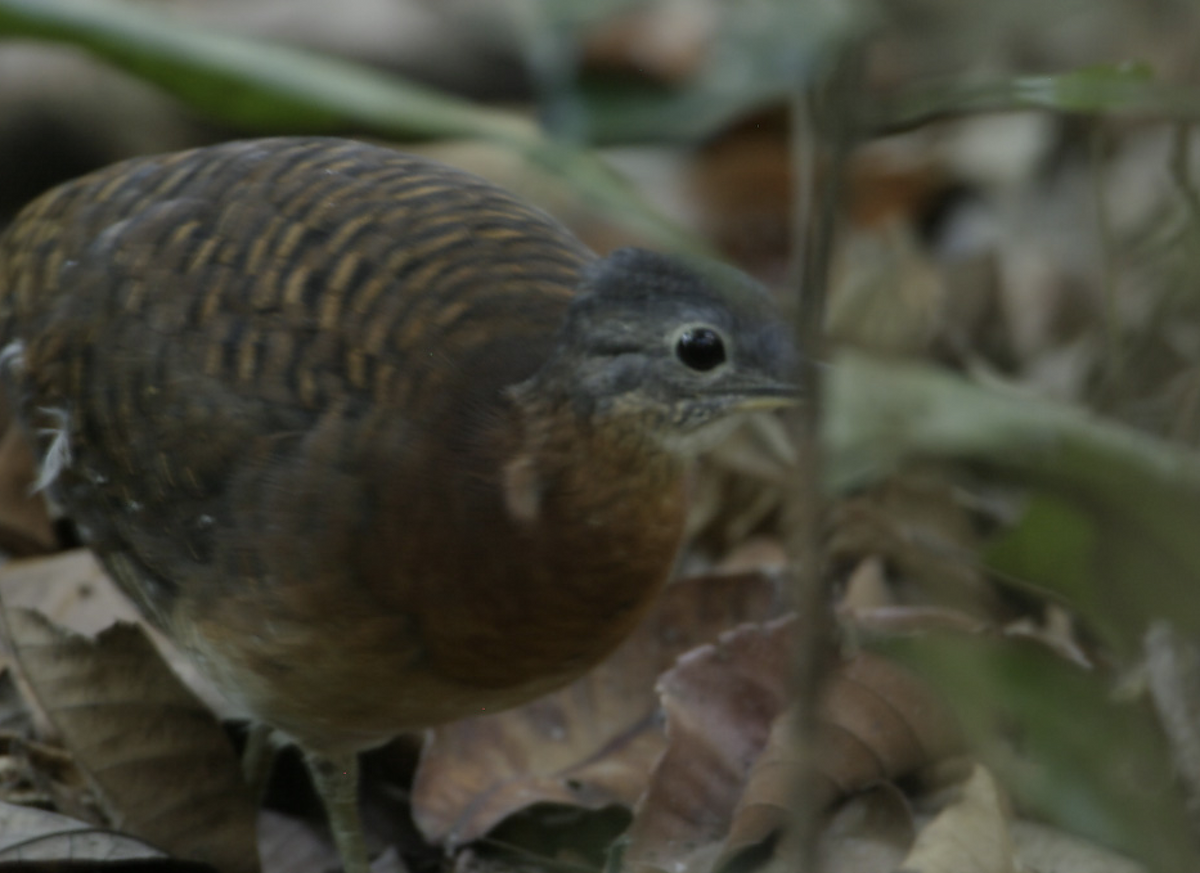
x: 822, y: 135
x: 1127, y: 89
x: 269, y: 87
x: 1139, y: 494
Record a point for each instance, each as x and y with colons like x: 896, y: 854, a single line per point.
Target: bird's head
x: 682, y: 347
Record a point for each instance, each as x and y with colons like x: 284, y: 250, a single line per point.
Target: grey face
x: 687, y: 344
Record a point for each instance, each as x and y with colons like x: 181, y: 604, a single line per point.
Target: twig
x: 1115, y: 357
x: 823, y: 131
x: 1180, y: 163
x: 1173, y: 677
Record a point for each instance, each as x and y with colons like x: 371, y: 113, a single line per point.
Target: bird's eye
x: 700, y: 348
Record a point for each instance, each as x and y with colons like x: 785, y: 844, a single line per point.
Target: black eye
x: 700, y: 348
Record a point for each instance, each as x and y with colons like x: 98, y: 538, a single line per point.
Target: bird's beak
x: 762, y: 397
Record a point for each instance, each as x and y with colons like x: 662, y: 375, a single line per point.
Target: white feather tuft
x: 58, y: 454
x: 13, y: 356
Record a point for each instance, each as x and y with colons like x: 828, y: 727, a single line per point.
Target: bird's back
x: 220, y: 347
x: 290, y: 270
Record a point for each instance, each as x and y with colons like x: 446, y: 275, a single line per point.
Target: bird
x: 378, y: 444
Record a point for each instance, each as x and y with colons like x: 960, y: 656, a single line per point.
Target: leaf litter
x: 973, y: 241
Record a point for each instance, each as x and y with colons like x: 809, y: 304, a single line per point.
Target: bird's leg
x: 336, y: 778
x: 257, y: 758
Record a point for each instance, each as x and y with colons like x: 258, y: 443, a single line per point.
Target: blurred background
x: 1011, y: 294
x: 1019, y: 167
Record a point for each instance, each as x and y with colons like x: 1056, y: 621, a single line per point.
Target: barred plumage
x: 342, y: 420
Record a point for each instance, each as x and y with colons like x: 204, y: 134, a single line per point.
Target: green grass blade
x: 267, y: 87
x: 1137, y: 497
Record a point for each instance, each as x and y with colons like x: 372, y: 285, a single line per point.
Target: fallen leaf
x: 890, y: 295
x: 720, y: 701
x: 14, y: 717
x: 38, y: 774
x: 69, y: 588
x: 1058, y: 630
x: 970, y: 835
x: 868, y: 833
x: 724, y: 789
x: 769, y: 794
x: 1049, y: 850
x: 1172, y: 668
x: 887, y: 721
x: 287, y: 844
x: 1063, y: 744
x: 756, y: 552
x: 740, y: 487
x: 161, y: 766
x: 741, y: 182
x: 892, y: 181
x: 893, y: 621
x: 866, y: 587
x: 666, y: 41
x: 28, y: 834
x: 591, y: 744
x: 72, y: 590
x: 926, y: 538
x: 877, y: 723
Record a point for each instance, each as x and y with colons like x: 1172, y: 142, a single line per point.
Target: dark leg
x: 257, y: 758
x: 336, y: 778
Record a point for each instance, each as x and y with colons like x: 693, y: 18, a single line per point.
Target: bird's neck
x: 593, y: 510
x: 586, y: 471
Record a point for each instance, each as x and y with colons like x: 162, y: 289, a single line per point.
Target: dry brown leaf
x: 896, y: 723
x: 28, y: 834
x: 729, y: 772
x: 72, y: 590
x: 868, y: 833
x: 1057, y: 630
x: 287, y: 844
x: 1172, y: 668
x: 740, y: 487
x: 741, y: 182
x: 389, y: 861
x: 891, y: 181
x: 720, y: 701
x: 665, y: 40
x: 767, y: 799
x: 866, y: 587
x: 889, y: 296
x: 926, y: 537
x: 14, y: 715
x: 971, y: 835
x: 757, y: 552
x: 470, y: 861
x: 877, y: 722
x: 1047, y: 850
x: 893, y: 621
x: 161, y: 766
x: 591, y: 744
x: 38, y: 774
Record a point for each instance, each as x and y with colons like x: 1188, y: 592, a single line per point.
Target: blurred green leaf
x: 274, y: 88
x: 250, y: 83
x: 1127, y: 88
x: 1054, y: 547
x: 1056, y: 738
x: 624, y: 113
x: 761, y: 52
x: 1138, y: 496
x: 1103, y: 88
